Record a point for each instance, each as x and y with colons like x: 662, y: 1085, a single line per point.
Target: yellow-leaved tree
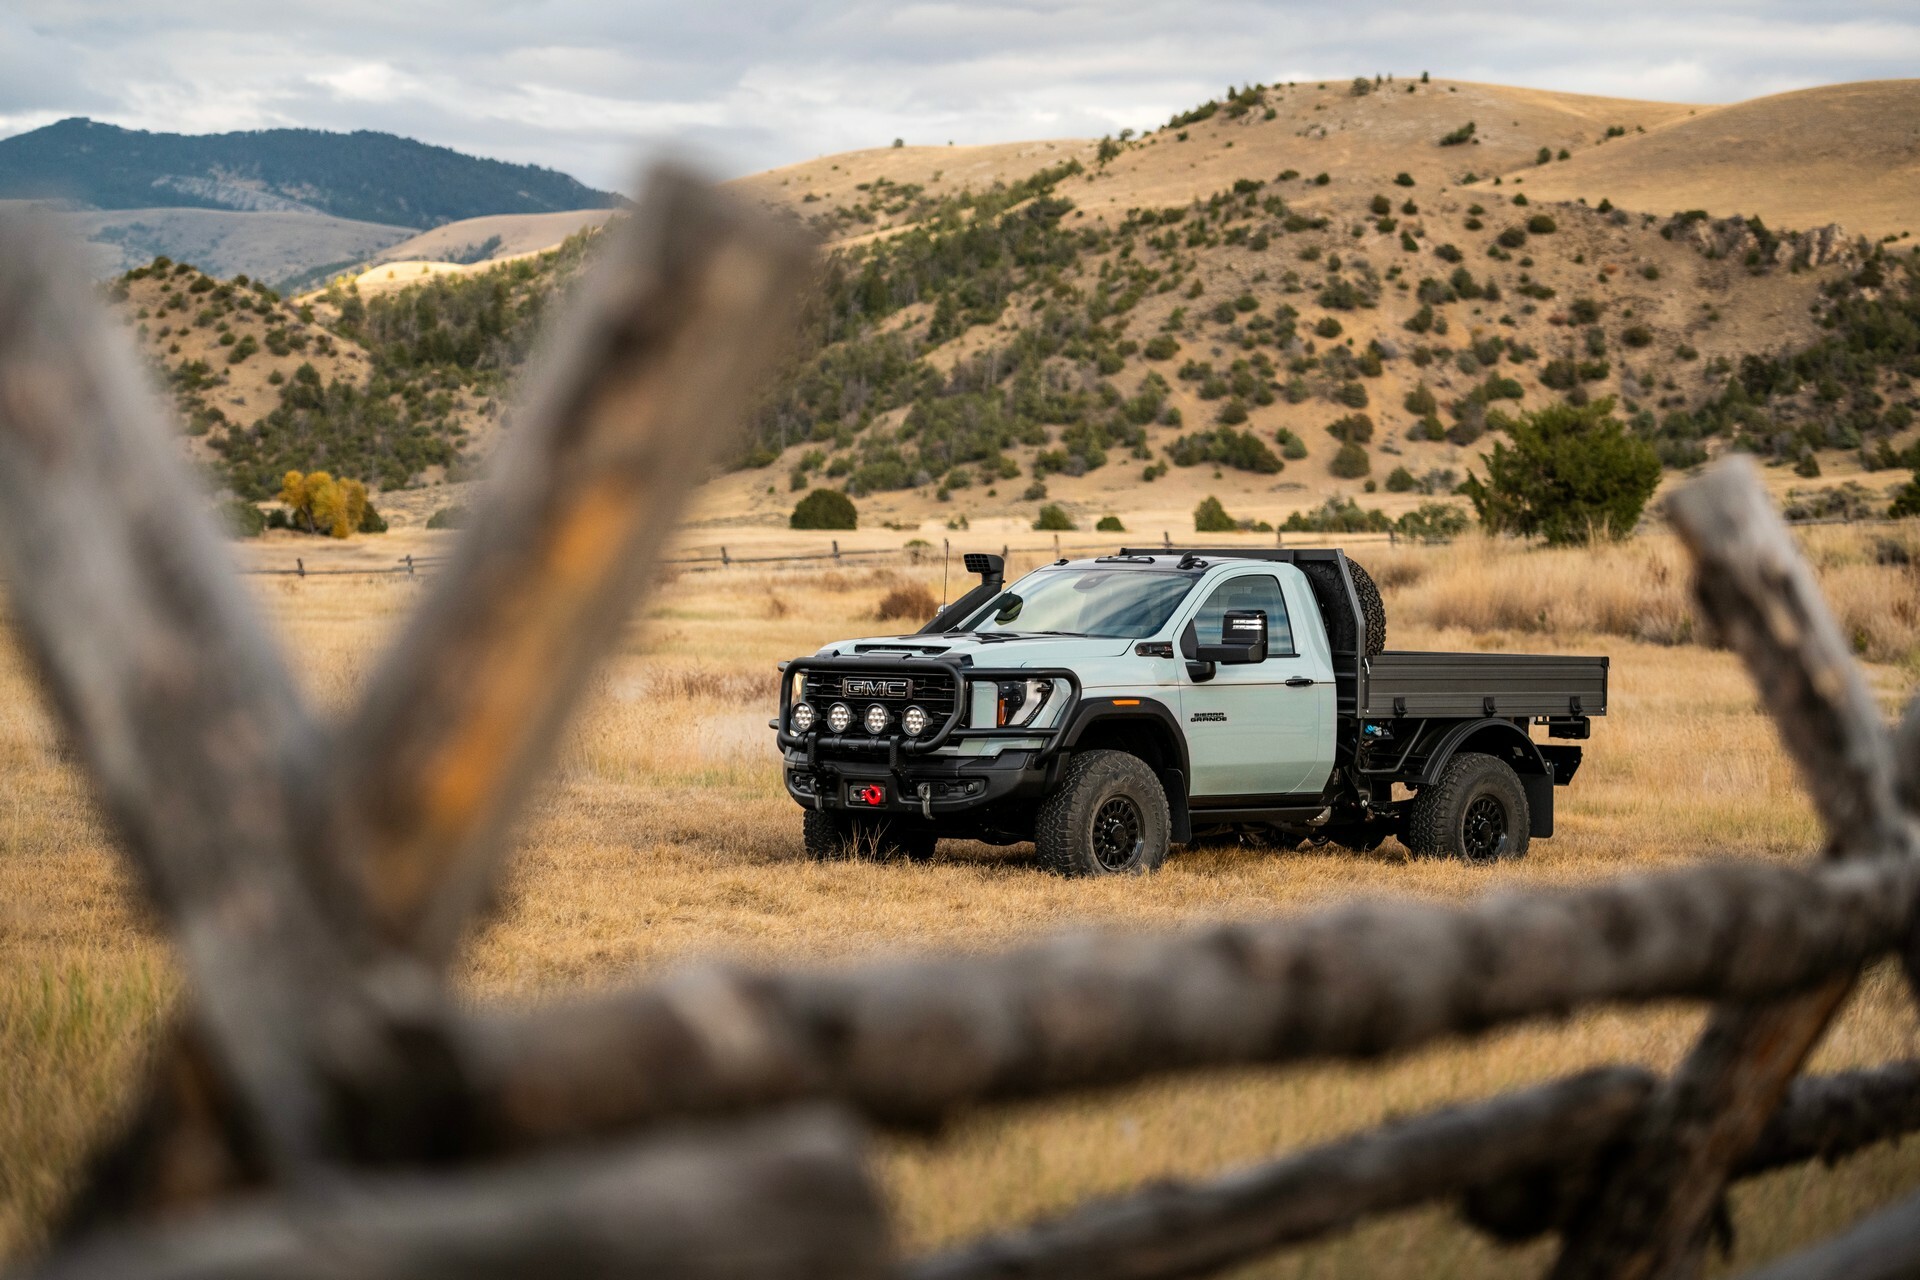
x: 322, y: 504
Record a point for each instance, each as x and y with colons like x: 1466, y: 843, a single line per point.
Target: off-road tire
x: 834, y: 836
x: 1106, y: 802
x: 1324, y: 576
x: 1476, y: 811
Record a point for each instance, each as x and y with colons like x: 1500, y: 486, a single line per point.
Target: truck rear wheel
x: 1476, y: 810
x: 1108, y: 817
x: 833, y: 836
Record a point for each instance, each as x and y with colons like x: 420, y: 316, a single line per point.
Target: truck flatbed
x: 1421, y: 684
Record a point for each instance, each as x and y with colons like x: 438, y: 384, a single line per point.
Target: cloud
x: 589, y: 85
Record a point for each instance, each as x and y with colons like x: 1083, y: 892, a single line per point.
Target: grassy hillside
x: 1345, y: 290
x: 369, y: 177
x: 1343, y: 279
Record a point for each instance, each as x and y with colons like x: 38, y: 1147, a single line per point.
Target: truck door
x: 1258, y: 729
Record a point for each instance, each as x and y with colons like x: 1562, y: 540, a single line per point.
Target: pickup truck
x: 1106, y: 709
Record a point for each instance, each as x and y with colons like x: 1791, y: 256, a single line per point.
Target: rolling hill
x: 1310, y: 301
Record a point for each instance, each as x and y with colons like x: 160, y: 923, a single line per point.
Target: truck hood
x: 1013, y: 651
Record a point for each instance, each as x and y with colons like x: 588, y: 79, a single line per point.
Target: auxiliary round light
x: 803, y: 716
x: 914, y: 721
x: 839, y: 717
x: 877, y: 719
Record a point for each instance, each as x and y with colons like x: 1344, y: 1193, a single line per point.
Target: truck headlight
x: 877, y: 719
x: 839, y: 717
x: 914, y: 721
x: 1020, y: 701
x: 802, y: 717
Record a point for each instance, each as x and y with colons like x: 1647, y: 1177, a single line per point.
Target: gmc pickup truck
x: 1107, y: 709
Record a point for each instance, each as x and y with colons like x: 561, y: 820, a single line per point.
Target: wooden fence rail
x: 325, y: 1108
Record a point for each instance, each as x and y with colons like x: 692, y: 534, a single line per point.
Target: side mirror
x: 1243, y: 634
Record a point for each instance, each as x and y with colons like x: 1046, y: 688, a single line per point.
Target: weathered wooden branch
x: 1884, y: 1246
x: 636, y: 392
x: 1823, y: 1118
x: 1650, y: 1217
x: 164, y: 680
x: 777, y: 1198
x: 1519, y: 1161
x: 915, y: 1041
x: 1181, y: 1229
x: 644, y: 382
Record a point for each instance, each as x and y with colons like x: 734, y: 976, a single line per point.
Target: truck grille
x: 896, y: 691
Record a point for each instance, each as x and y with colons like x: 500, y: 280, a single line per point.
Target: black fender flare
x: 1536, y: 773
x: 1110, y: 710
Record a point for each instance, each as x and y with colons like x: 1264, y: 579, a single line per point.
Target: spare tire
x: 1330, y: 593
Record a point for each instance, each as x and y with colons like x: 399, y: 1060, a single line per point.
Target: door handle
x: 1299, y: 682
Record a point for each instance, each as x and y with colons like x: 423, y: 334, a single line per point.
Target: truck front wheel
x: 832, y: 836
x: 1108, y: 817
x: 1476, y: 810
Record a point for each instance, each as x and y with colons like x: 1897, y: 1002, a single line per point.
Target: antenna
x: 946, y: 559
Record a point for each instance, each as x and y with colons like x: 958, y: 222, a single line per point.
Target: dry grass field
x: 665, y: 836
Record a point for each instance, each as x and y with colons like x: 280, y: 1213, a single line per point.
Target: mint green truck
x: 1108, y: 709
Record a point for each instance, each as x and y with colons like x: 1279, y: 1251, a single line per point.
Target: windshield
x: 1120, y: 603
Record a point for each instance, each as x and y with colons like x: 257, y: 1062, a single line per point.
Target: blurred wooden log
x: 1885, y: 1246
x: 779, y: 1198
x: 1180, y: 1229
x: 643, y: 382
x: 1827, y: 1118
x: 1520, y: 1159
x: 1649, y: 1217
x: 639, y: 388
x: 913, y: 1042
x: 163, y: 678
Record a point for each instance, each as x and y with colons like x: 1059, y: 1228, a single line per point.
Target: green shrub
x: 1433, y: 521
x: 1541, y: 224
x: 1233, y: 412
x: 1420, y: 401
x: 1512, y: 238
x: 1328, y: 327
x: 454, y: 517
x: 1356, y: 428
x: 1292, y: 447
x: 1400, y: 480
x: 1110, y: 524
x: 1571, y: 474
x: 825, y: 509
x: 1211, y: 517
x: 1638, y: 335
x: 1906, y: 502
x: 1054, y: 519
x: 1351, y: 394
x: 1403, y: 179
x: 1351, y: 462
x: 1161, y: 347
x: 1459, y: 137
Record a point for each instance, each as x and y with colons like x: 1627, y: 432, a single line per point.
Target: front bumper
x: 928, y: 786
x: 820, y: 766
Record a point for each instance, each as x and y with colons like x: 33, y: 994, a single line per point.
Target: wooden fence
x: 327, y: 1108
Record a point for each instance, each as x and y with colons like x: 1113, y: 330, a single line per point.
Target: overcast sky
x: 589, y: 85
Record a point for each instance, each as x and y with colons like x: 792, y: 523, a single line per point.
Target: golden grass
x: 664, y: 836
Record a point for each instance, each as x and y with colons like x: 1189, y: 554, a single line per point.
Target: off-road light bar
x: 914, y: 721
x: 839, y: 717
x: 877, y: 719
x: 803, y: 717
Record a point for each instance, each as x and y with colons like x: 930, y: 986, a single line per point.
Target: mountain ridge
x: 362, y: 176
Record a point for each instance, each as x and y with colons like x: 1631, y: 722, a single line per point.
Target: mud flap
x: 1539, y: 803
x: 1180, y: 821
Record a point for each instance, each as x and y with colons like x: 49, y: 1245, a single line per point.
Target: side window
x: 1250, y: 591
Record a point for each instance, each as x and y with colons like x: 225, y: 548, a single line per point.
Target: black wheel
x: 1475, y: 811
x: 1108, y: 817
x: 1324, y: 576
x: 834, y: 836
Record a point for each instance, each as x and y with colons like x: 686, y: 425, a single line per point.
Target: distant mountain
x: 362, y: 176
